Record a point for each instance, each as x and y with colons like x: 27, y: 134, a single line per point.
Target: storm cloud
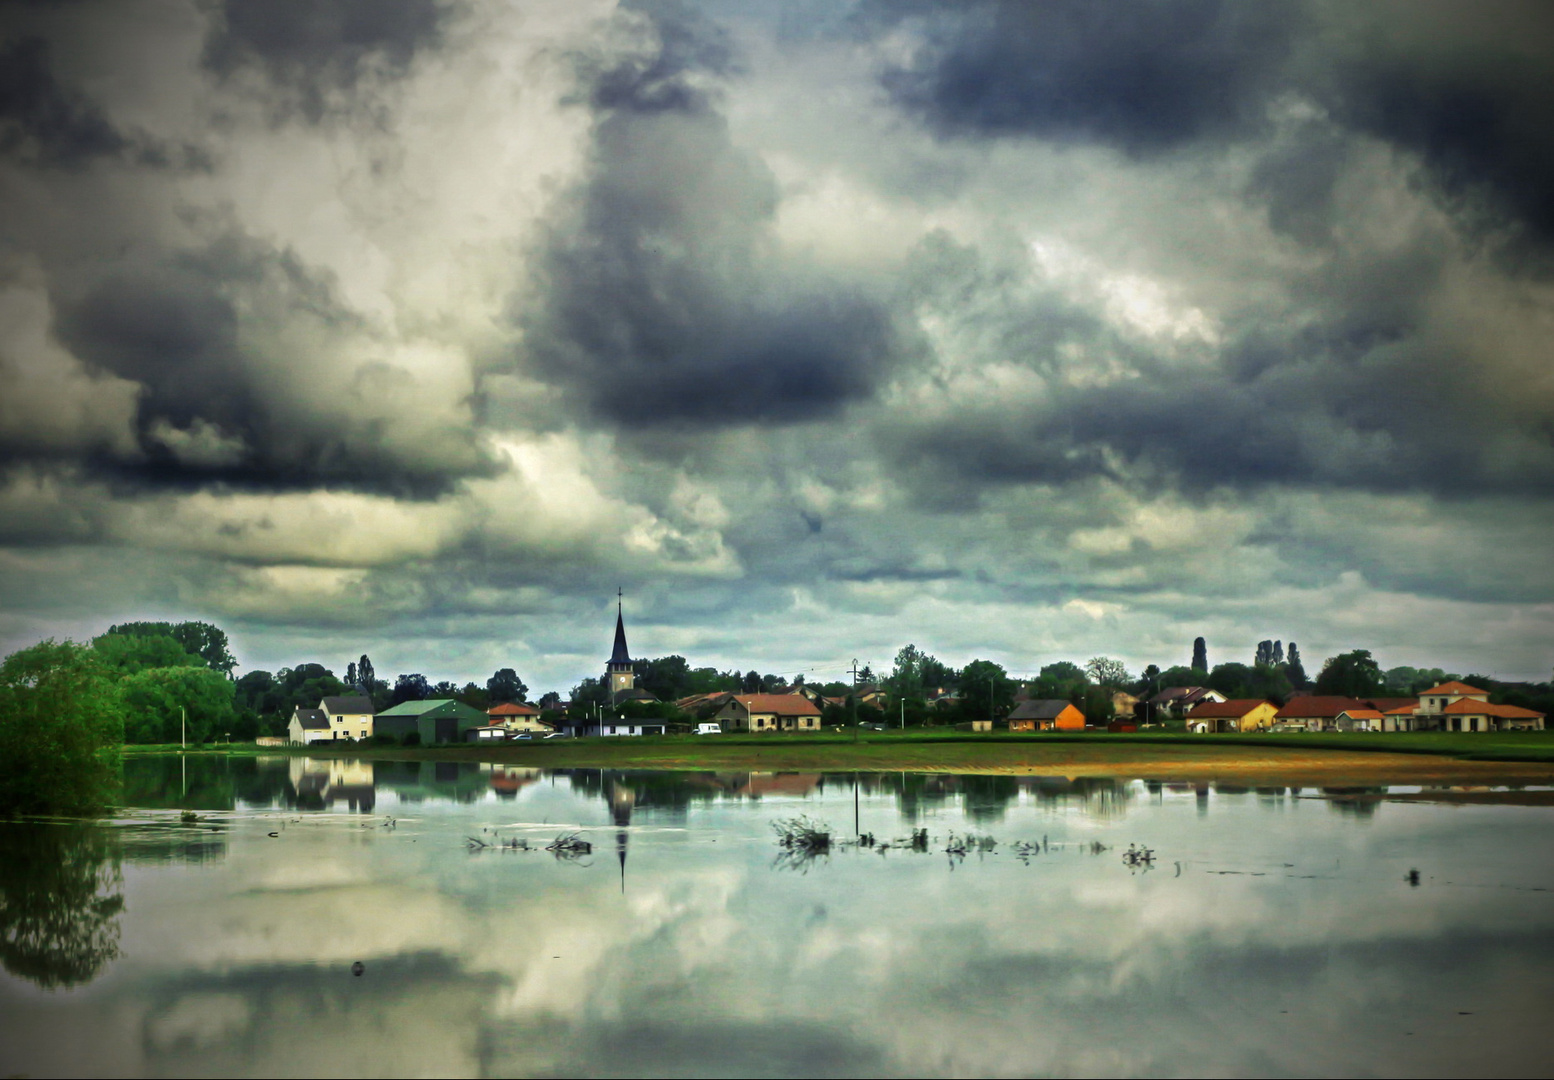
x: 1024, y: 331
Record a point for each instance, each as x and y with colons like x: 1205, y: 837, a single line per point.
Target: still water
x: 1277, y: 931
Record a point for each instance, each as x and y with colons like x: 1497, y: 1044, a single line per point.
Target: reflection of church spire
x: 622, y: 799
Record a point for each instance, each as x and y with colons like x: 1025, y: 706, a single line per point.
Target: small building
x: 1360, y: 720
x: 350, y: 717
x: 1315, y: 712
x: 488, y: 733
x: 1046, y: 714
x: 308, y: 726
x: 518, y: 716
x: 768, y: 712
x: 1237, y: 714
x: 436, y: 720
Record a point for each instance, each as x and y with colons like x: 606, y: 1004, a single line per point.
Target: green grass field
x: 943, y: 750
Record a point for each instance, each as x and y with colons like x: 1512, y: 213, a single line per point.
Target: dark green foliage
x: 751, y: 683
x: 207, y: 642
x: 1061, y: 680
x: 476, y: 697
x: 505, y: 685
x: 550, y: 700
x: 1259, y: 681
x: 1149, y: 682
x: 588, y: 694
x: 1096, y: 703
x: 410, y: 688
x: 1200, y: 655
x: 151, y: 701
x: 61, y: 894
x: 129, y: 653
x: 366, y: 678
x: 1294, y: 670
x: 412, y: 738
x: 987, y: 691
x: 1181, y: 676
x: 1352, y: 674
x: 60, y: 731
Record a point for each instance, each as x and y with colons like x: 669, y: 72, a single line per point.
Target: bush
x: 60, y: 731
x: 412, y: 738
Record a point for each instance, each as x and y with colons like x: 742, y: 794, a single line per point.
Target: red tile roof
x: 1362, y: 714
x: 1389, y: 704
x: 1405, y: 710
x: 1484, y: 708
x: 1328, y: 707
x: 1454, y: 687
x: 1237, y: 707
x: 781, y: 704
x: 510, y: 708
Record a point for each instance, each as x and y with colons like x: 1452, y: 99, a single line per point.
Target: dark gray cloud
x: 1361, y: 393
x: 313, y: 49
x: 44, y: 121
x: 666, y: 299
x: 1145, y: 77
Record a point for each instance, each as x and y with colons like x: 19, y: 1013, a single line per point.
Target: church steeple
x: 619, y: 672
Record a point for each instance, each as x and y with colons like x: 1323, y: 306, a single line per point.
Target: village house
x: 349, y: 717
x: 1237, y: 714
x: 1315, y: 712
x: 1360, y: 719
x: 308, y: 726
x: 768, y: 712
x: 1456, y: 706
x: 516, y: 716
x: 1046, y: 714
x: 1178, y: 701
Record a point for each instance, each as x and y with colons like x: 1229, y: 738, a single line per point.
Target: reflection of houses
x: 768, y: 712
x: 1238, y: 714
x: 320, y: 783
x: 507, y: 783
x: 518, y: 716
x: 438, y: 720
x: 1046, y: 714
x: 759, y: 784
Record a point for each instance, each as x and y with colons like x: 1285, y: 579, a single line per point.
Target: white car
x: 709, y: 729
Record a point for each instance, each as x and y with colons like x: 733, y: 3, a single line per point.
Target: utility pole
x: 183, y: 728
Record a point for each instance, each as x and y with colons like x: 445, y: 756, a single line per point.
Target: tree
x: 61, y: 895
x: 1104, y: 671
x: 752, y: 682
x: 589, y: 693
x: 1264, y: 653
x: 366, y: 677
x: 128, y: 653
x: 168, y: 705
x: 1063, y: 680
x: 987, y: 692
x: 443, y: 689
x: 60, y: 731
x: 550, y: 700
x: 1181, y: 676
x: 667, y: 678
x: 905, y: 680
x: 1149, y: 682
x: 1230, y: 679
x: 207, y: 642
x: 1294, y: 670
x: 505, y: 685
x: 1200, y: 655
x: 411, y: 688
x: 1352, y: 674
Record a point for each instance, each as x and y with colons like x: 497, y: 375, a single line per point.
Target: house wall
x: 1259, y: 718
x: 525, y: 723
x: 1070, y: 719
x: 348, y: 725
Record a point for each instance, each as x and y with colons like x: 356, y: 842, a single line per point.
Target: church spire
x: 620, y: 655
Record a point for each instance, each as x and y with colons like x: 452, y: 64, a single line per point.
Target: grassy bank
x: 1359, y: 758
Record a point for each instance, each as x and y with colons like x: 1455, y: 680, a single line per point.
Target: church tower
x: 618, y: 673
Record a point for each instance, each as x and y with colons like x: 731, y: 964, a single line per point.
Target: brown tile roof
x: 512, y: 708
x: 1328, y: 707
x: 1404, y: 710
x: 1362, y: 714
x: 1454, y: 687
x: 781, y: 704
x: 1235, y: 707
x: 1390, y: 704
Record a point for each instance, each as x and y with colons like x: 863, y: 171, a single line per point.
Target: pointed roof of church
x: 620, y: 655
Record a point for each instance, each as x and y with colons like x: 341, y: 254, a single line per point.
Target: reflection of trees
x: 60, y: 901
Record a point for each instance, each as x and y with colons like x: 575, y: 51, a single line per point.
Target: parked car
x: 709, y: 729
x: 554, y: 735
x: 523, y: 735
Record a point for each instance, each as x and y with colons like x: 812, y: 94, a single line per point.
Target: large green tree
x: 207, y: 642
x: 986, y: 691
x: 505, y: 685
x: 129, y: 653
x: 1352, y: 674
x: 168, y: 705
x: 60, y: 731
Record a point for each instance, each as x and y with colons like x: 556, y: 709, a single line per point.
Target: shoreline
x: 1184, y: 760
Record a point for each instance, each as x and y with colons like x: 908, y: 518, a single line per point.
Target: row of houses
x: 1451, y: 706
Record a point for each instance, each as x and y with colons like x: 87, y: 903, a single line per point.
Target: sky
x: 1027, y: 332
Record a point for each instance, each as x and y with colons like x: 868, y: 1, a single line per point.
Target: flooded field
x: 434, y: 918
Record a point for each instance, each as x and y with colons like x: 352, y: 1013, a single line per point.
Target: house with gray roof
x: 308, y: 726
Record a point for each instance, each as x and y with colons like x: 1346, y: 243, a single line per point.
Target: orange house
x: 1046, y: 714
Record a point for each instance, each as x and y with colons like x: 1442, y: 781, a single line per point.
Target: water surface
x: 1279, y: 931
